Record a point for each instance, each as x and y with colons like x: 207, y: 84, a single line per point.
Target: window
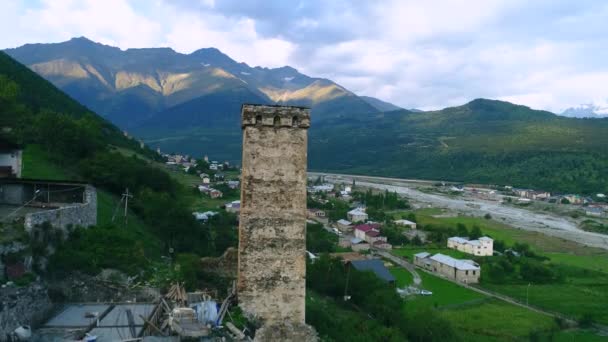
x: 295, y: 121
x: 277, y: 121
x: 258, y: 119
x: 473, y: 272
x: 466, y: 272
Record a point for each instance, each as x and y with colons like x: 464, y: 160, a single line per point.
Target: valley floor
x: 545, y: 223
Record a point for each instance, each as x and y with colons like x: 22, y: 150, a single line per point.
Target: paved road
x: 403, y: 263
x: 549, y: 224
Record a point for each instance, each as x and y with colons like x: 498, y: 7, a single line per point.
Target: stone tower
x: 272, y: 232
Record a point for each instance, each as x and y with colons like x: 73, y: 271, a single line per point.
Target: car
x: 425, y: 293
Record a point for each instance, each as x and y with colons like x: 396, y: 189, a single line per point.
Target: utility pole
x: 126, y: 196
x: 527, y: 293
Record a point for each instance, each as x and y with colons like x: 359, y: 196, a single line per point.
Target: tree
x: 475, y: 232
x: 461, y: 230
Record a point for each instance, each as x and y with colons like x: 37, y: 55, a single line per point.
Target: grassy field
x: 445, y: 293
x: 106, y: 207
x: 36, y: 164
x: 585, y: 288
x: 494, y: 320
x: 403, y: 277
x: 476, y: 316
x: 581, y: 294
x: 597, y: 262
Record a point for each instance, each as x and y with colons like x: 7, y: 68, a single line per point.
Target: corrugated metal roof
x: 464, y: 265
x: 376, y: 266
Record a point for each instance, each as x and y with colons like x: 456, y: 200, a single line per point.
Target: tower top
x: 276, y: 116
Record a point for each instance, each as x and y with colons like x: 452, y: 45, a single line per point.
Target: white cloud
x: 548, y: 54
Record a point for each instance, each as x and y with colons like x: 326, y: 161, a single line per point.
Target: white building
x: 483, y: 246
x: 357, y: 215
x: 406, y: 223
x: 465, y: 271
x: 10, y: 159
x: 323, y: 188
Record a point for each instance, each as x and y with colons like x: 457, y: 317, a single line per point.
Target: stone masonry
x: 76, y: 214
x: 272, y: 232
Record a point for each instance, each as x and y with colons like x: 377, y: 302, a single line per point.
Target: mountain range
x: 586, y: 111
x: 190, y: 103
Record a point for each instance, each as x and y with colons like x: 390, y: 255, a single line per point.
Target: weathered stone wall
x: 272, y: 232
x: 23, y: 306
x: 80, y: 214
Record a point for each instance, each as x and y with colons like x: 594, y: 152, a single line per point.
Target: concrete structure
x: 314, y: 213
x: 272, y: 231
x: 357, y: 215
x: 465, y: 271
x: 359, y: 245
x: 61, y: 203
x: 10, y: 159
x: 233, y: 207
x: 484, y: 246
x: 406, y: 223
x: 343, y: 225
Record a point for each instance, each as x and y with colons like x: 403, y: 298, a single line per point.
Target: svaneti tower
x: 272, y: 234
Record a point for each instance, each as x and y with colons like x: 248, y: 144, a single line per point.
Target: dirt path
x: 549, y: 224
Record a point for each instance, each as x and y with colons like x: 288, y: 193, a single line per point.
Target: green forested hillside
x: 482, y: 141
x: 70, y: 141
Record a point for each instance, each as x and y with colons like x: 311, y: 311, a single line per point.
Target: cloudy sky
x: 547, y: 54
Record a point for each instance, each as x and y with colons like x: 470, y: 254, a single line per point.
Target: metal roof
x: 463, y: 265
x: 376, y: 266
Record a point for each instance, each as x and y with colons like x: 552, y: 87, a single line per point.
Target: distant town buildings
x: 343, y: 225
x: 464, y: 271
x: 322, y: 188
x: 484, y: 246
x: 357, y: 215
x: 405, y: 223
x: 315, y: 213
x: 532, y: 194
x: 233, y: 207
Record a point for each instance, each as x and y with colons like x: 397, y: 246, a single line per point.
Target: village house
x: 361, y: 230
x: 10, y: 159
x: 203, y: 216
x: 574, y: 199
x: 532, y: 194
x: 214, y: 193
x: 464, y: 271
x: 357, y: 215
x: 206, y: 180
x: 233, y: 184
x: 315, y: 213
x: 322, y: 188
x: 218, y: 176
x: 359, y: 245
x: 343, y: 225
x: 406, y: 223
x: 594, y: 211
x: 382, y: 244
x: 233, y: 207
x: 344, y: 242
x: 484, y: 246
